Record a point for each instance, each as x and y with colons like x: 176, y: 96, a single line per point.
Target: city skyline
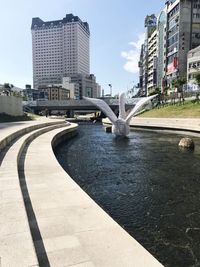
x: 116, y: 36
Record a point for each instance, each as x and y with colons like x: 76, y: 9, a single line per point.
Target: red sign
x: 172, y: 67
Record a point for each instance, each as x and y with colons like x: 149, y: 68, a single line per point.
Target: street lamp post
x: 110, y: 85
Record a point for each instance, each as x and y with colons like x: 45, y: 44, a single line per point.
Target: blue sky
x: 116, y: 32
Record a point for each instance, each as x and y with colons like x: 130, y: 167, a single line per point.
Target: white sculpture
x: 120, y: 125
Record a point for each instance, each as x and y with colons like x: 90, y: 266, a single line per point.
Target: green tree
x: 174, y: 83
x: 7, y: 86
x: 182, y: 80
x: 179, y: 82
x: 157, y: 90
x: 197, y: 78
x: 17, y: 94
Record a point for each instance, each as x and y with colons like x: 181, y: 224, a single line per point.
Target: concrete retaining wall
x: 75, y: 230
x: 176, y: 124
x: 67, y: 228
x: 11, y: 105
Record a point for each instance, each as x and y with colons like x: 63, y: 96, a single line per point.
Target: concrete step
x: 11, y: 131
x: 16, y: 244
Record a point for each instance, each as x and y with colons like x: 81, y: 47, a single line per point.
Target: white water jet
x: 120, y: 125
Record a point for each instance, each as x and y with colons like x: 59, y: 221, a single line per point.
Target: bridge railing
x: 78, y: 103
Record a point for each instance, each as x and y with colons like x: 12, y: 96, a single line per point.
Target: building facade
x: 150, y: 27
x: 152, y: 62
x: 193, y: 64
x: 141, y: 71
x: 72, y: 87
x: 183, y: 34
x: 161, y: 48
x: 178, y: 31
x: 55, y: 92
x: 60, y: 49
x: 30, y: 94
x: 87, y: 86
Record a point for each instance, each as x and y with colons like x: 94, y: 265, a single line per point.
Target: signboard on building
x: 172, y: 67
x: 191, y: 87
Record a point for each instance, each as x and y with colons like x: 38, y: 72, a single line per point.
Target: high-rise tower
x: 164, y: 53
x: 60, y: 49
x: 147, y: 72
x: 183, y: 34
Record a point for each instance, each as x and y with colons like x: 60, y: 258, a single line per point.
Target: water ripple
x: 149, y: 186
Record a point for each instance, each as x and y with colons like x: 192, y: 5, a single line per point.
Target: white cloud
x: 132, y: 56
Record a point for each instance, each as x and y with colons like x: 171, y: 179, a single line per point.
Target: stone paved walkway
x: 168, y: 123
x: 8, y: 128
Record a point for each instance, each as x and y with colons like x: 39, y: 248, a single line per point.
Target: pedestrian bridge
x: 73, y: 104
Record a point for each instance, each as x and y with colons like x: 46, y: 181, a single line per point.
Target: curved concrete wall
x: 177, y: 124
x: 63, y: 135
x: 16, y: 242
x: 72, y: 230
x: 103, y: 241
x: 17, y: 133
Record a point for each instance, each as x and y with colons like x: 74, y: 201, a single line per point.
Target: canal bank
x: 178, y: 124
x: 75, y: 230
x: 145, y: 183
x: 55, y: 222
x: 191, y: 125
x: 72, y: 230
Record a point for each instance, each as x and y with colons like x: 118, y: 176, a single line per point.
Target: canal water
x: 146, y: 183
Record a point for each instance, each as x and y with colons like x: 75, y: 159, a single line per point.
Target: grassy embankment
x: 186, y: 110
x: 25, y: 117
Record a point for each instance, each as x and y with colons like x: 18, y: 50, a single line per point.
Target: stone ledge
x: 16, y: 243
x: 178, y: 124
x: 189, y: 125
x: 4, y: 141
x: 74, y: 229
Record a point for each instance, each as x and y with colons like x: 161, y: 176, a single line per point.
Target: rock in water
x: 186, y: 142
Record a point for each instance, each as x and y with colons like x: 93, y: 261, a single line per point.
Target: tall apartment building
x: 152, y: 62
x: 60, y: 49
x: 178, y: 31
x: 150, y: 27
x: 161, y: 47
x: 141, y: 71
x: 183, y: 34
